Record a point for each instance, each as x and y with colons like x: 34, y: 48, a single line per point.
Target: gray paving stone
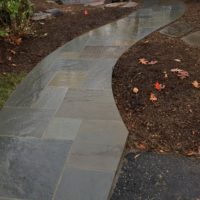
x: 50, y: 98
x: 24, y: 121
x: 84, y: 110
x: 30, y: 168
x: 84, y: 185
x: 102, y: 132
x: 68, y: 79
x: 102, y: 52
x: 90, y: 96
x: 177, y: 29
x: 98, y: 157
x: 100, y: 78
x: 62, y: 129
x: 193, y: 39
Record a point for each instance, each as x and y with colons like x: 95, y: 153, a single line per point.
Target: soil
x: 47, y: 35
x: 170, y: 124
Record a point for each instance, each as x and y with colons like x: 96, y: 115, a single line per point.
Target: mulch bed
x: 172, y: 123
x: 51, y: 33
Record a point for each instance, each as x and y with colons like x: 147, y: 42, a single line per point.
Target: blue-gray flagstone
x: 61, y: 135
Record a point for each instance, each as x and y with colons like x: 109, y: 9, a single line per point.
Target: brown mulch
x: 52, y: 33
x: 172, y: 123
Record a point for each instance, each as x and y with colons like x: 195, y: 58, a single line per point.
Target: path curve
x: 63, y: 115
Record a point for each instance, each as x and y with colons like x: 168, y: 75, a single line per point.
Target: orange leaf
x: 196, y: 84
x: 153, y: 97
x: 157, y: 86
x: 143, y: 61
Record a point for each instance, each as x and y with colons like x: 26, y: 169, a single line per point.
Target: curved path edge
x: 61, y: 128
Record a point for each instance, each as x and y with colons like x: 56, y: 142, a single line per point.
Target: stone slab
x: 177, y: 29
x: 88, y: 95
x: 85, y: 110
x: 30, y: 168
x: 62, y: 129
x: 192, y: 39
x: 102, y: 52
x: 102, y: 132
x: 68, y: 79
x: 24, y: 122
x: 97, y: 157
x: 50, y: 98
x: 154, y: 176
x: 84, y: 185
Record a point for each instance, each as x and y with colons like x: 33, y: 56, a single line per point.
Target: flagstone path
x: 61, y: 135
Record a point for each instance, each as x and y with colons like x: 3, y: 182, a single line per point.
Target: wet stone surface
x: 154, y: 176
x: 193, y: 39
x: 177, y: 29
x: 30, y: 168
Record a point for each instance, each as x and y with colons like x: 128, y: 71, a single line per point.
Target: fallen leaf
x: 143, y: 61
x: 165, y: 74
x: 135, y: 90
x: 180, y: 73
x: 141, y: 146
x: 14, y: 65
x: 196, y: 84
x: 183, y: 74
x: 153, y: 97
x: 18, y: 41
x: 157, y: 86
x: 9, y: 58
x: 177, y: 60
x: 153, y: 62
x: 176, y: 70
x: 12, y: 51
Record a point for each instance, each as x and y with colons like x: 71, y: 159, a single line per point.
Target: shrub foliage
x: 15, y: 16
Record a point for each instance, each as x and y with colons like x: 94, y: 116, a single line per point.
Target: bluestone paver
x: 74, y: 134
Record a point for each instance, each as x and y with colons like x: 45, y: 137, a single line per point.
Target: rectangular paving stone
x: 30, y: 168
x: 24, y: 121
x: 102, y: 132
x: 177, y: 29
x: 100, y: 78
x: 102, y: 52
x: 98, y: 157
x: 85, y: 110
x: 50, y: 98
x: 62, y: 128
x: 87, y: 95
x: 84, y: 185
x: 68, y: 79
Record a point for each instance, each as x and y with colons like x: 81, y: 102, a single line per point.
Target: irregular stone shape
x: 154, y: 176
x: 97, y: 157
x: 24, y: 121
x: 40, y: 16
x: 30, y: 168
x: 55, y: 12
x: 193, y: 39
x: 84, y: 185
x: 177, y: 29
x: 62, y: 129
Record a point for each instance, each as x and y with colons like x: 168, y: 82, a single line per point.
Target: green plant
x: 15, y: 16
